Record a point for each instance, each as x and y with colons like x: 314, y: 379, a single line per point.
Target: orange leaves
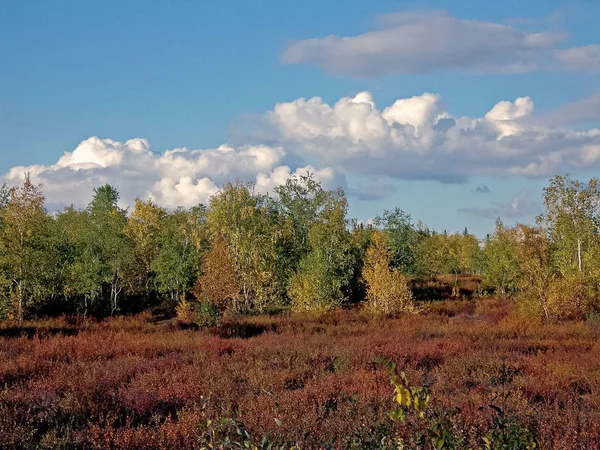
x: 218, y: 283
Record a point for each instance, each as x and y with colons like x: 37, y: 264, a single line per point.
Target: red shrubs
x: 310, y: 381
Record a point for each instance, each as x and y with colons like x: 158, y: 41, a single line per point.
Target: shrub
x: 568, y: 297
x: 206, y: 314
x: 387, y: 289
x: 184, y: 311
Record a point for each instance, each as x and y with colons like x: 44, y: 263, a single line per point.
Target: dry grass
x: 314, y: 381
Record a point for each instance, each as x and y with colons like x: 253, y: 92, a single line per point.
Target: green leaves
x: 27, y: 257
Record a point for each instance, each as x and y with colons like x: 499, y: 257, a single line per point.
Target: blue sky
x: 195, y: 75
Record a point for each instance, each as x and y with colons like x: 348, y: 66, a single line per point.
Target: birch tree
x: 26, y: 253
x: 571, y: 219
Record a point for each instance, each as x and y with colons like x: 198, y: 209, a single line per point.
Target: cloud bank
x: 433, y: 41
x: 418, y: 138
x: 413, y: 138
x: 178, y: 177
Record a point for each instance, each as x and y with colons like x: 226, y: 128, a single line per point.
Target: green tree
x: 325, y: 272
x: 431, y: 255
x: 26, y: 254
x: 112, y: 246
x: 571, y: 219
x: 360, y: 240
x: 302, y: 199
x: 252, y: 227
x: 4, y: 195
x: 81, y: 262
x: 181, y: 247
x: 143, y: 228
x: 502, y: 271
x: 402, y: 236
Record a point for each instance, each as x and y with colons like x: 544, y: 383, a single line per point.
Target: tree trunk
x: 579, y: 253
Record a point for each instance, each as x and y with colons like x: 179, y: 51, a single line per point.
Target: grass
x: 316, y: 382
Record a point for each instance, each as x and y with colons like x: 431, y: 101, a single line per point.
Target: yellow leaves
x: 410, y: 399
x: 218, y: 281
x: 184, y: 311
x: 387, y: 289
x: 403, y: 396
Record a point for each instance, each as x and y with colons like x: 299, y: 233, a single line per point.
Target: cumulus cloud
x: 179, y: 177
x: 518, y: 207
x: 417, y: 138
x: 432, y: 41
x: 412, y: 138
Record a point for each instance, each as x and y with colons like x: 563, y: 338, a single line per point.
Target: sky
x: 457, y: 112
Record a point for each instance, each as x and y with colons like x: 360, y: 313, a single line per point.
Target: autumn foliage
x: 314, y: 382
x: 217, y: 283
x: 387, y: 289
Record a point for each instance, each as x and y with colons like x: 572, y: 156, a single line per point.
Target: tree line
x: 248, y: 252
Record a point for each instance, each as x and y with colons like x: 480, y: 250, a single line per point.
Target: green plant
x: 409, y: 398
x: 206, y: 314
x: 593, y: 318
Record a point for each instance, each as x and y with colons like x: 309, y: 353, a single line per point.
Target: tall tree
x: 108, y: 221
x: 431, y: 255
x: 26, y: 253
x: 217, y: 283
x: 182, y: 243
x: 532, y: 254
x: 81, y: 261
x: 571, y: 218
x: 251, y: 226
x: 502, y: 271
x: 302, y: 200
x: 325, y: 272
x: 4, y: 195
x: 143, y: 227
x: 402, y: 237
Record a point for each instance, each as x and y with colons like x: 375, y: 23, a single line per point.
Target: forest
x: 275, y: 321
x: 251, y: 253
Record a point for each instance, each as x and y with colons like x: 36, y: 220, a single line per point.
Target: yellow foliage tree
x: 387, y: 289
x: 143, y: 227
x: 218, y: 282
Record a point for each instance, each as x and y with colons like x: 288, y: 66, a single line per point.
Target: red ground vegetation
x: 318, y: 382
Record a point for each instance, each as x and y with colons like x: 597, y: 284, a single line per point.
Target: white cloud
x: 425, y: 42
x: 179, y: 177
x: 417, y: 138
x: 413, y: 138
x: 329, y: 179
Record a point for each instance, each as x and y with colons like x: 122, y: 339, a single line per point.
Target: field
x: 313, y: 382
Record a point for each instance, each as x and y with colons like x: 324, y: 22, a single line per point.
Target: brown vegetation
x: 317, y: 382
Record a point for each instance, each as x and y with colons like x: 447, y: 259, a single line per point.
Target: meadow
x: 299, y: 381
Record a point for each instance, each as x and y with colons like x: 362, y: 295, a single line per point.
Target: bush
x: 388, y: 291
x: 207, y: 315
x: 184, y: 311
